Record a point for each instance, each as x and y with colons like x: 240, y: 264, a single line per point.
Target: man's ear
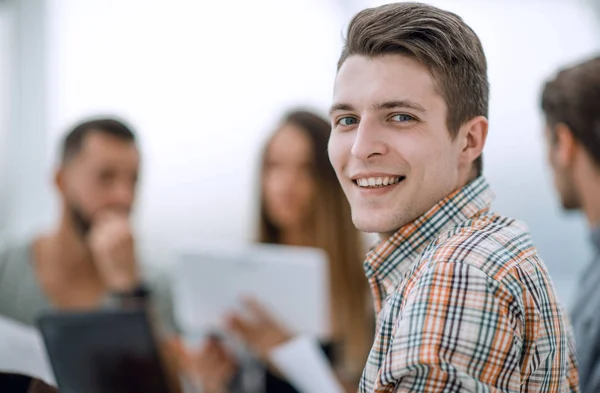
x: 59, y: 179
x: 473, y: 135
x: 564, y: 145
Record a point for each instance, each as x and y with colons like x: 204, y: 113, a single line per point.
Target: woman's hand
x: 211, y: 368
x: 260, y: 331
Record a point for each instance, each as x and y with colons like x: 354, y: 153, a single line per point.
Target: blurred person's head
x: 289, y: 171
x: 300, y: 193
x: 571, y: 105
x: 98, y: 171
x: 409, y: 112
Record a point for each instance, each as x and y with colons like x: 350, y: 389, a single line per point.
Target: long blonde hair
x: 335, y: 233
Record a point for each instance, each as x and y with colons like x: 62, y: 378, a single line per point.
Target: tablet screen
x: 102, y: 352
x: 292, y: 283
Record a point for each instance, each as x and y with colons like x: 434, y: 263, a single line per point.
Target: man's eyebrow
x: 341, y: 106
x: 399, y: 104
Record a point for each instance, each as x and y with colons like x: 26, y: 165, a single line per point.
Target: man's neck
x: 65, y: 255
x: 589, y: 194
x: 66, y: 271
x: 591, y: 203
x: 463, y: 182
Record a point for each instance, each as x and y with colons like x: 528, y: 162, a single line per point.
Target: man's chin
x: 373, y: 224
x: 81, y: 224
x: 570, y: 207
x: 570, y: 204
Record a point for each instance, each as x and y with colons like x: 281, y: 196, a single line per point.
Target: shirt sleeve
x: 162, y: 303
x: 455, y: 333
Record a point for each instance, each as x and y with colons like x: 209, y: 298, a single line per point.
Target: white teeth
x: 373, y: 182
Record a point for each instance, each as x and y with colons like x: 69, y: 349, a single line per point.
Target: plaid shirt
x: 466, y: 305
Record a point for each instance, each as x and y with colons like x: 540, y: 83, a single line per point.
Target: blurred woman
x: 302, y: 204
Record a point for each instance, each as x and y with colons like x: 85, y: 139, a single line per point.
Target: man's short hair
x: 572, y: 97
x: 73, y: 141
x: 439, y: 40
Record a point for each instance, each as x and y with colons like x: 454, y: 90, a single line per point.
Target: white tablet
x: 291, y: 282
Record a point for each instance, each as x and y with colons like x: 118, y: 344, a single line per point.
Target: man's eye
x: 402, y: 118
x: 347, y: 121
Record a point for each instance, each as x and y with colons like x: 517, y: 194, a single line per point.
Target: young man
x: 465, y: 304
x: 570, y: 102
x: 89, y: 260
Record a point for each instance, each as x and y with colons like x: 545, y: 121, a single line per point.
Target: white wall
x: 24, y: 185
x: 6, y: 48
x: 205, y: 82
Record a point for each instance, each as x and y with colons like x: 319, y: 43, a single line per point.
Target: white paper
x: 22, y: 351
x: 292, y: 283
x: 305, y: 366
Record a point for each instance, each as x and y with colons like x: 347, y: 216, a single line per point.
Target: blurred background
x: 204, y: 83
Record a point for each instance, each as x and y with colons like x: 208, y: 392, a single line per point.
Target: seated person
x: 89, y: 260
x: 302, y: 204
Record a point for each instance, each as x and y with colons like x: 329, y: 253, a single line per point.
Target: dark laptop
x: 104, y: 352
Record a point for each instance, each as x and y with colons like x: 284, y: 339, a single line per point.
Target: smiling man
x: 465, y: 304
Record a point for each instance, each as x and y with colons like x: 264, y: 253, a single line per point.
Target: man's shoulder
x: 493, y: 244
x: 14, y: 250
x: 489, y: 253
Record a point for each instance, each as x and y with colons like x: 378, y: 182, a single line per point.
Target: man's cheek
x: 335, y: 153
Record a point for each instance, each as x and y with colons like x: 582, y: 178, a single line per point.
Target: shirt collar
x: 388, y: 262
x: 596, y: 238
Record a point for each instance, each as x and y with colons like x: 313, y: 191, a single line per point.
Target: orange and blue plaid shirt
x: 465, y: 304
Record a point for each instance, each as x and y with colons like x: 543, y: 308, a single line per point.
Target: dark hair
x: 73, y: 141
x: 573, y: 98
x: 441, y: 41
x: 335, y: 233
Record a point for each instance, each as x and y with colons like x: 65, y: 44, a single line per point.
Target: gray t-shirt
x: 586, y: 322
x: 22, y: 298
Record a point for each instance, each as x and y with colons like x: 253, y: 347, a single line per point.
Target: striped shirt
x: 466, y: 305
